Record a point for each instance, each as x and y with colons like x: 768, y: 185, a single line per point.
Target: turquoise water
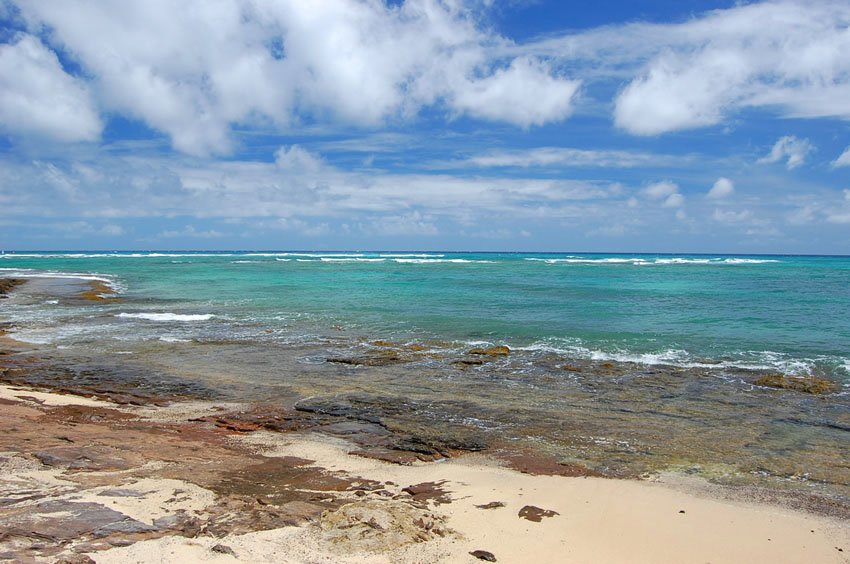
x: 622, y: 363
x: 784, y: 312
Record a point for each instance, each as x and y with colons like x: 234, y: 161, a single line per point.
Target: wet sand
x: 85, y: 478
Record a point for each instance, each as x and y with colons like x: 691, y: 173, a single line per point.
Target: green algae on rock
x: 806, y: 384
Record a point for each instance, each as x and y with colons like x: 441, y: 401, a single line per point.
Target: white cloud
x: 192, y: 232
x: 564, y: 156
x: 661, y: 190
x: 731, y: 216
x: 666, y: 192
x: 524, y: 94
x: 783, y: 55
x: 194, y: 69
x: 843, y: 159
x: 790, y: 149
x: 842, y: 217
x: 37, y: 97
x: 297, y: 160
x: 674, y: 201
x: 722, y: 188
x: 414, y: 223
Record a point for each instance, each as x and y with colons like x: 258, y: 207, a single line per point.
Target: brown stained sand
x: 122, y: 488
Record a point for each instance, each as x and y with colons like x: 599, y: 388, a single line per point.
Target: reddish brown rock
x: 536, y: 514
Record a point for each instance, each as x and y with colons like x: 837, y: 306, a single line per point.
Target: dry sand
x: 673, y: 519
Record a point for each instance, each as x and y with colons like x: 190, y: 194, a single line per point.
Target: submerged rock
x: 805, y: 384
x: 8, y: 284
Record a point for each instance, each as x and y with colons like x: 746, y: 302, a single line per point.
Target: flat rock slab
x: 96, y: 458
x: 62, y: 521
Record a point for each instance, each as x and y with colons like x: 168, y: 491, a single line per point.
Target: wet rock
x: 462, y: 362
x: 402, y: 421
x: 536, y: 514
x: 483, y: 555
x: 9, y: 284
x: 378, y: 358
x: 491, y: 505
x: 499, y: 350
x: 805, y: 384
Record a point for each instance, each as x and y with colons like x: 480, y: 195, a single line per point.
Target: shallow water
x: 624, y: 364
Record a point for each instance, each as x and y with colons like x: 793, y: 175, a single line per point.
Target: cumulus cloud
x: 786, y: 55
x: 298, y: 160
x: 524, y: 94
x: 195, y: 69
x: 731, y: 216
x: 843, y: 159
x: 37, y: 97
x: 665, y: 192
x: 789, y: 149
x: 722, y: 188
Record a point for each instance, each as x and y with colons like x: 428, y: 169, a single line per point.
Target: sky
x: 514, y: 125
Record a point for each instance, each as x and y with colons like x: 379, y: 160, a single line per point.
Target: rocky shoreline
x: 99, y: 466
x: 82, y: 480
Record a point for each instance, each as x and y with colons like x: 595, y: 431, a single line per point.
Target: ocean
x: 623, y: 363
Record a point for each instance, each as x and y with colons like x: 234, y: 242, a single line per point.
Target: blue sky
x: 665, y: 126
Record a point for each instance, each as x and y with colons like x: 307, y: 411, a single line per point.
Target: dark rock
x: 491, y: 505
x: 223, y: 549
x: 483, y: 555
x: 72, y: 559
x: 429, y: 491
x: 121, y: 492
x: 468, y: 362
x: 124, y: 526
x: 8, y: 284
x: 536, y: 514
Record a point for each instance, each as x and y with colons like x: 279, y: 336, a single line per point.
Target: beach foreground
x: 90, y: 480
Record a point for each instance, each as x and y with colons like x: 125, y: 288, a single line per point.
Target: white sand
x: 599, y: 520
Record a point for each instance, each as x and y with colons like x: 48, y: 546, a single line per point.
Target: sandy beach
x: 89, y: 480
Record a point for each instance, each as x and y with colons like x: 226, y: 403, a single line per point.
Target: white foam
x: 410, y: 255
x: 351, y: 259
x: 638, y: 261
x: 167, y: 316
x: 29, y: 273
x: 435, y: 261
